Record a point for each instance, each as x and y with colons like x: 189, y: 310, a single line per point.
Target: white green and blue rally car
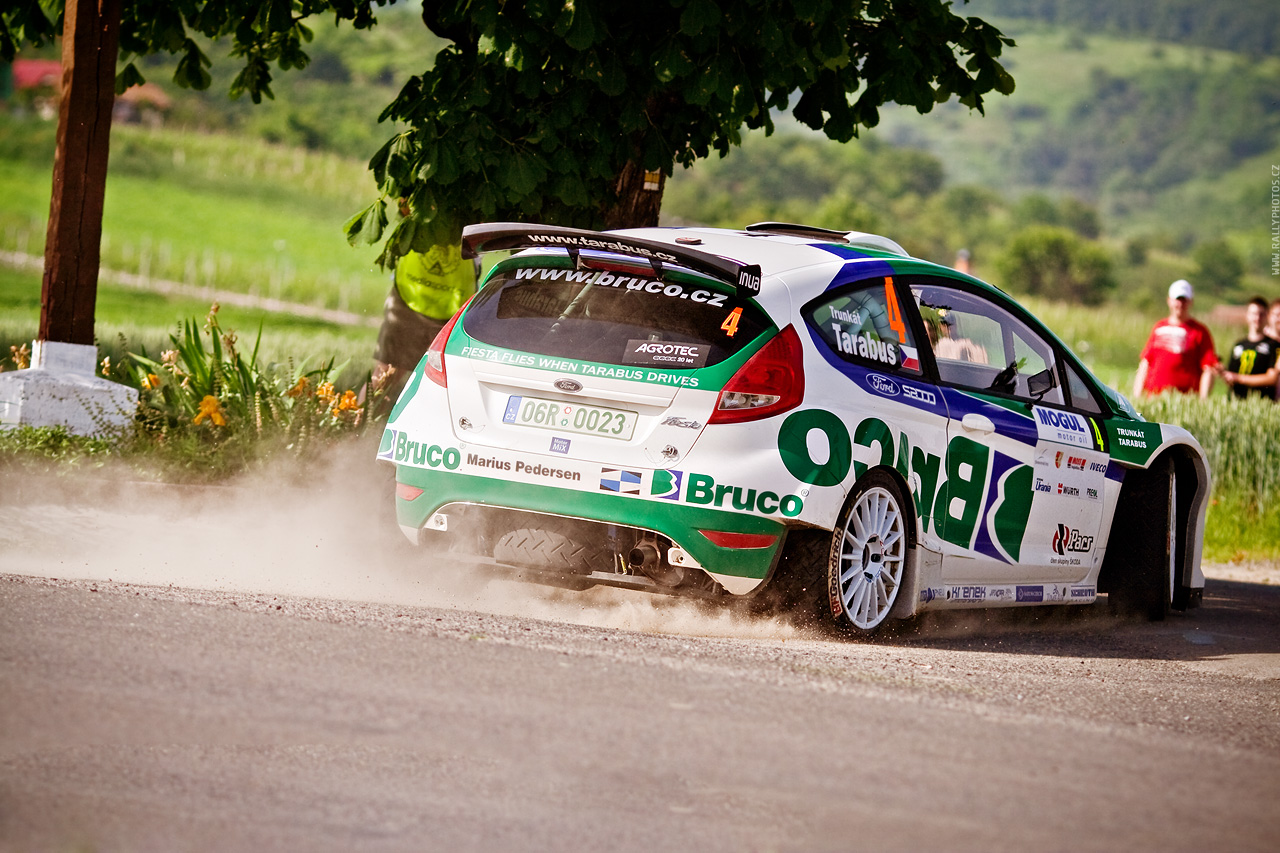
x: 785, y: 414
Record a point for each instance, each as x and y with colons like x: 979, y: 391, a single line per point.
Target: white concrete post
x: 60, y: 389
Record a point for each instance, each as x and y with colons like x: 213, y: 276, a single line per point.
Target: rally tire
x: 867, y: 562
x: 816, y: 572
x: 1145, y: 587
x: 554, y: 547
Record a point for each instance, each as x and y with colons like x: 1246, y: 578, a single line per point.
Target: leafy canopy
x: 262, y: 32
x: 535, y: 108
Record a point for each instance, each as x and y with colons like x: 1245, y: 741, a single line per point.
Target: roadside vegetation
x: 233, y: 199
x: 208, y: 408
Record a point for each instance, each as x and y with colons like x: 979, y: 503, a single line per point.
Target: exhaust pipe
x: 646, y: 559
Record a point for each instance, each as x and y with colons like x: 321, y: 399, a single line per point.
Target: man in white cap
x: 1179, y: 353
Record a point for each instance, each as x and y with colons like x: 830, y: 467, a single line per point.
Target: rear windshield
x: 613, y: 318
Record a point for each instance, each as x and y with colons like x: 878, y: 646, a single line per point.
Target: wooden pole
x: 90, y: 44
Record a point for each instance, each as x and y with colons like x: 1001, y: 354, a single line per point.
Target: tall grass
x: 1242, y: 442
x: 1240, y: 437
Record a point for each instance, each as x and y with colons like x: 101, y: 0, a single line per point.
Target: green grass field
x: 217, y: 212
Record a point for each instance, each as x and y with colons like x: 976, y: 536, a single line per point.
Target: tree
x: 1219, y: 267
x: 575, y: 114
x: 1051, y: 261
x: 570, y: 112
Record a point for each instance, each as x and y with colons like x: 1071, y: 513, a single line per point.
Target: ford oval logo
x: 883, y: 385
x: 571, y: 385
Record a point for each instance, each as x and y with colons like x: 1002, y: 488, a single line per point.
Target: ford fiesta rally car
x: 786, y: 414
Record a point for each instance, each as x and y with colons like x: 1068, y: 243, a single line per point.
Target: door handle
x: 974, y: 422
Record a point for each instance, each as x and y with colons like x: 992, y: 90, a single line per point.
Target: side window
x: 979, y: 345
x: 1081, y: 397
x: 865, y: 325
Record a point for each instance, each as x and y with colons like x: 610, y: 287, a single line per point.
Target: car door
x: 1024, y: 474
x: 894, y: 412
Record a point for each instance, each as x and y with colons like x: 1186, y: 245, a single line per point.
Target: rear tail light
x: 727, y: 539
x: 771, y: 382
x: 435, y: 352
x: 406, y: 492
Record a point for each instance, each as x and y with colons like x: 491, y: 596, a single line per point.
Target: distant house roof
x: 34, y: 73
x: 147, y: 93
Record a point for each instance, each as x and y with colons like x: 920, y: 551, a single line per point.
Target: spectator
x: 1179, y: 352
x: 1272, y: 329
x: 428, y: 288
x: 1252, y: 367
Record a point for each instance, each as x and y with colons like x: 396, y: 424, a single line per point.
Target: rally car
x: 785, y: 414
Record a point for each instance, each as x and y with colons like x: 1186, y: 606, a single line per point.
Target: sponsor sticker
x: 559, y: 445
x: 666, y: 354
x: 1070, y: 540
x: 620, y: 481
x: 1030, y: 593
x: 666, y: 484
x: 668, y: 289
x: 1062, y: 427
x: 971, y: 594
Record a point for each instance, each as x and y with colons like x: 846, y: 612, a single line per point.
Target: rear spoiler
x: 501, y: 236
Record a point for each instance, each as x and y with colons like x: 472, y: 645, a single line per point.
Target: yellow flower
x: 301, y: 388
x: 348, y: 402
x: 326, y: 394
x: 150, y: 382
x: 211, y: 408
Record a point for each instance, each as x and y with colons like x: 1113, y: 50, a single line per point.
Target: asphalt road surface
x: 260, y: 670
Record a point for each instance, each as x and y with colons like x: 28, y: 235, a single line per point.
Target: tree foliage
x: 554, y: 110
x: 557, y: 110
x: 261, y: 32
x: 1054, y: 262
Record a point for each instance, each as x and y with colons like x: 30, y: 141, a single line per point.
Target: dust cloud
x: 327, y: 532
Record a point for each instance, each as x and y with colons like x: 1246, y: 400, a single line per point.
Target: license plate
x: 570, y: 417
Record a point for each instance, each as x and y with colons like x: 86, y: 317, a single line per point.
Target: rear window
x: 679, y: 322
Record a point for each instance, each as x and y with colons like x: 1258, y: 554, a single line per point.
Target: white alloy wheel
x: 870, y: 555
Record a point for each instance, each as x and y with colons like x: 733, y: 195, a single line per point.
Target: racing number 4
x: 895, y: 314
x: 730, y: 324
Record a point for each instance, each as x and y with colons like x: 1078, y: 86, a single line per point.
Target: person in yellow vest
x: 428, y: 288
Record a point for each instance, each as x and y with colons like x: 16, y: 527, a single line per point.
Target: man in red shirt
x: 1179, y: 353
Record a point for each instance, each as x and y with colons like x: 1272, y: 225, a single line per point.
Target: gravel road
x: 260, y: 668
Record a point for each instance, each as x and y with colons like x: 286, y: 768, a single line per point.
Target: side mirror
x: 1041, y: 383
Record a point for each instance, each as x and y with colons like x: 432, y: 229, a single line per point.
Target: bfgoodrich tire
x: 851, y: 578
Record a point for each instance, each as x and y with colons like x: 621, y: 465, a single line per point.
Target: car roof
x: 775, y: 253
